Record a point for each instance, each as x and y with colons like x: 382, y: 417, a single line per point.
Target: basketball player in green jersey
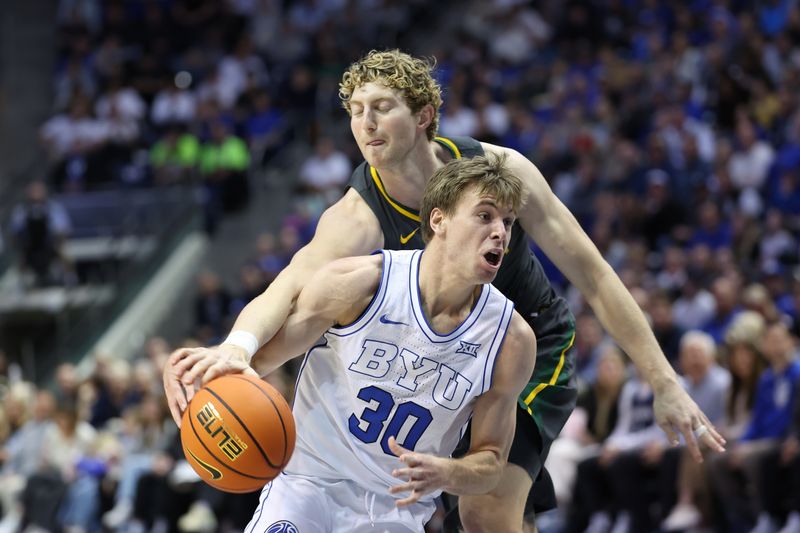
x: 393, y: 102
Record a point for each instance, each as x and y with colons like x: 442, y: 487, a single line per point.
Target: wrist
x: 244, y: 340
x: 665, y: 381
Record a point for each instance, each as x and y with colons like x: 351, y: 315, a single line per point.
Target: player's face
x: 481, y: 229
x: 382, y: 124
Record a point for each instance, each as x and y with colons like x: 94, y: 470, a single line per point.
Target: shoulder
x: 350, y: 225
x: 359, y: 179
x: 362, y: 264
x: 350, y: 205
x: 520, y: 334
x: 360, y: 274
x: 518, y: 355
x: 342, y: 289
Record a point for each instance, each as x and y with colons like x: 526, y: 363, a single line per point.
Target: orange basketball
x: 238, y: 433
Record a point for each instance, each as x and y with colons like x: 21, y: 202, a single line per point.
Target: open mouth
x: 492, y: 258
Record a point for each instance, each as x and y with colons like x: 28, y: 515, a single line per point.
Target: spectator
x: 667, y: 333
x: 326, y: 172
x: 664, y: 216
x: 777, y: 245
x: 779, y: 479
x: 224, y: 162
x: 624, y: 461
x: 726, y: 307
x: 174, y: 157
x: 265, y: 129
x: 770, y: 421
x: 712, y: 231
x: 39, y: 226
x: 590, y: 342
x: 173, y: 104
x: 588, y: 427
x: 24, y: 453
x: 708, y: 385
x: 252, y: 282
x: 752, y: 159
x: 695, y: 305
x: 212, y: 307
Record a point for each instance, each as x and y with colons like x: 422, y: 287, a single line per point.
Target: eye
x: 483, y: 215
x: 508, y: 222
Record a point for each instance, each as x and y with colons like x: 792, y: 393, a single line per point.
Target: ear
x: 438, y: 221
x: 425, y: 117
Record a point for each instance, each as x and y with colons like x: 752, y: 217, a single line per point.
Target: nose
x: 368, y: 122
x: 499, y: 230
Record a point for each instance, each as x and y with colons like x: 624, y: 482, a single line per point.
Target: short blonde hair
x: 489, y: 174
x: 411, y: 76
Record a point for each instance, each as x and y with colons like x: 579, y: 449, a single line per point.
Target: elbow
x: 492, y: 471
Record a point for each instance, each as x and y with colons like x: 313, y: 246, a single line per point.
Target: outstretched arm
x: 347, y: 228
x: 493, y: 423
x: 545, y: 218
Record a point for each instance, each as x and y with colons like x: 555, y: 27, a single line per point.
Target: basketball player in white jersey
x: 403, y: 348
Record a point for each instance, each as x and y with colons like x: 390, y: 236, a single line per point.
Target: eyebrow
x: 377, y: 100
x: 493, y: 203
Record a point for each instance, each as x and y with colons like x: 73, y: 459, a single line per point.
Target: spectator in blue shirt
x: 771, y: 420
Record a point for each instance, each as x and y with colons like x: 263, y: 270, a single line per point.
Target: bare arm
x: 557, y: 232
x: 493, y: 423
x: 337, y: 294
x: 347, y: 228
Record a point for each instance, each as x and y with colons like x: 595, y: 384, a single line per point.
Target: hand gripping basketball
x: 238, y: 433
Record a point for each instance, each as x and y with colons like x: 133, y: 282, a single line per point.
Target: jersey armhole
x: 497, y: 345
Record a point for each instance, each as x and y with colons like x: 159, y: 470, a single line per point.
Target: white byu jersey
x: 389, y: 374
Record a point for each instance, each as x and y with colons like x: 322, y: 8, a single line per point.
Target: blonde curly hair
x: 409, y: 75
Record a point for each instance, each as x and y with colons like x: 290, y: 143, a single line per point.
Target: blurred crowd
x: 670, y: 129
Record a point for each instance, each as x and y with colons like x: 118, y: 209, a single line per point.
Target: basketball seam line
x: 200, y: 440
x: 277, y: 411
x: 246, y: 429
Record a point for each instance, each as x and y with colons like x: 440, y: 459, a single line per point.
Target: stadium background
x: 162, y: 160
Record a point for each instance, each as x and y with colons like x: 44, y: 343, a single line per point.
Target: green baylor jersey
x: 521, y: 277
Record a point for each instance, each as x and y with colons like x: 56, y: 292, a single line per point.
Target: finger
x: 175, y: 408
x: 396, y: 448
x: 672, y: 437
x: 199, y: 368
x: 403, y: 473
x: 687, y: 429
x: 176, y: 399
x: 188, y: 391
x: 713, y: 439
x: 188, y: 363
x: 221, y: 368
x: 179, y: 354
x: 408, y: 486
x: 413, y: 498
x: 177, y: 360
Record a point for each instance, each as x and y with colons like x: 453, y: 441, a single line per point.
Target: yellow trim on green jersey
x: 450, y: 144
x: 553, y: 379
x: 399, y: 208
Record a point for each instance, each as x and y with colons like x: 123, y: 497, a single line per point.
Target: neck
x: 405, y: 178
x: 443, y: 292
x: 780, y: 364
